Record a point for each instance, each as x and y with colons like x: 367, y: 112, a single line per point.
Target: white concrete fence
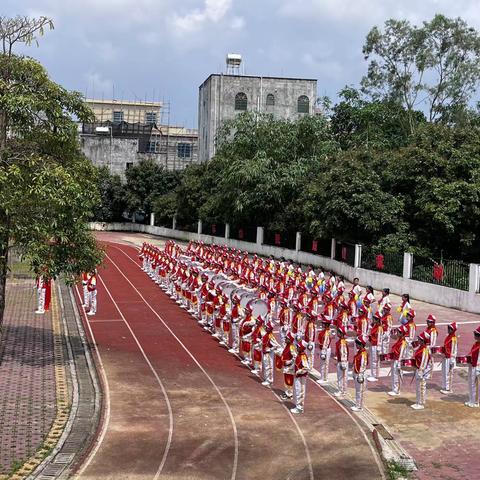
x: 468, y: 301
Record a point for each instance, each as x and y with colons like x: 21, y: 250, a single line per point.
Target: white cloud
x: 213, y: 12
x: 98, y: 86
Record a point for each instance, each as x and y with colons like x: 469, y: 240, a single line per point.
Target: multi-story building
x: 223, y: 96
x: 124, y: 133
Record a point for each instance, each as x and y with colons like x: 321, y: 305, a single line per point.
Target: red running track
x: 180, y: 406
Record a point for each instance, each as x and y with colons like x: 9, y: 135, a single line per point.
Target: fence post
x: 474, y: 278
x: 174, y: 222
x: 259, y: 235
x: 357, y: 262
x: 333, y: 248
x: 227, y: 231
x: 199, y: 227
x: 152, y: 219
x: 298, y: 242
x: 407, y: 265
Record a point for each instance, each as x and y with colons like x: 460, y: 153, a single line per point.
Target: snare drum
x: 437, y: 350
x: 278, y: 362
x: 384, y: 357
x: 464, y: 360
x: 408, y: 364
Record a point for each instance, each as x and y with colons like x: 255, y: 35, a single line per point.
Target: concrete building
x: 124, y: 133
x: 223, y: 96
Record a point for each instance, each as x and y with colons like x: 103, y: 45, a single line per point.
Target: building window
x: 303, y: 104
x: 153, y: 146
x: 270, y: 100
x: 184, y: 150
x: 117, y: 116
x: 151, y: 118
x: 128, y: 165
x: 241, y: 101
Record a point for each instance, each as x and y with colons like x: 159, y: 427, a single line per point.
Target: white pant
x: 342, y: 377
x: 310, y: 353
x: 374, y: 365
x: 421, y: 386
x: 448, y: 364
x: 396, y: 376
x: 86, y: 297
x: 385, y: 343
x: 473, y: 381
x: 300, y: 385
x: 267, y: 365
x: 93, y: 301
x: 235, y: 336
x: 359, y: 388
x: 41, y: 299
x: 324, y: 363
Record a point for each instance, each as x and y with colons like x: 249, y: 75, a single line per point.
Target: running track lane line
x: 106, y: 422
x: 230, y: 414
x: 294, y: 421
x: 155, y: 374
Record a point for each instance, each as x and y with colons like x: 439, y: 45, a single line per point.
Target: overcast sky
x: 164, y: 49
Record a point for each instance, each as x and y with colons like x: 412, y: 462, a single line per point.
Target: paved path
x: 27, y: 377
x: 180, y: 406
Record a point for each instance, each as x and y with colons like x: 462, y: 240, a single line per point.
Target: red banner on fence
x: 240, y: 234
x: 438, y: 272
x: 315, y: 246
x: 344, y: 253
x: 277, y: 239
x: 380, y: 262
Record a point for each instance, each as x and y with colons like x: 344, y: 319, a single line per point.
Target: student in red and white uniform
x: 352, y: 306
x: 246, y: 328
x: 342, y: 317
x: 300, y: 382
x: 422, y: 358
x: 375, y: 339
x: 360, y: 363
x: 92, y: 292
x: 324, y: 341
x: 44, y: 293
x: 411, y: 330
x: 289, y: 354
x: 269, y: 346
x: 387, y: 325
x: 449, y: 350
x: 309, y: 337
x: 368, y: 301
x: 474, y: 372
x: 356, y: 288
x: 85, y: 289
x: 283, y: 319
x: 432, y: 330
x: 361, y: 323
x: 384, y: 299
x: 404, y: 308
x: 341, y: 356
x: 399, y: 349
x: 257, y: 335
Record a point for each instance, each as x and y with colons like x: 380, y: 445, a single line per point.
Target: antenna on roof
x: 234, y: 60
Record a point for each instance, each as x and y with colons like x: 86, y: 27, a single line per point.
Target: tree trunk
x: 4, y: 239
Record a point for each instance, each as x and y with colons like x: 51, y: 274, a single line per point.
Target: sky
x: 163, y: 50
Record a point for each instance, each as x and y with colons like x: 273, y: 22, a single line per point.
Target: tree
x: 146, y: 181
x: 435, y: 66
x: 112, y: 203
x: 47, y: 187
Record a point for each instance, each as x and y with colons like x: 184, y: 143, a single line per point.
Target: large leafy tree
x: 47, y: 187
x: 112, y: 202
x: 435, y: 67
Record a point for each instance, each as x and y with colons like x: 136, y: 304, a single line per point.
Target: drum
x: 259, y: 307
x: 464, y: 361
x: 217, y: 279
x: 437, y: 350
x: 385, y: 357
x: 408, y: 364
x: 278, y: 362
x: 257, y: 355
x: 245, y: 298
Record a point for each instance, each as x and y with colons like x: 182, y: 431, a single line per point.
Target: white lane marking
x: 106, y: 422
x: 300, y: 432
x: 92, y: 320
x: 362, y: 431
x: 167, y: 401
x: 232, y: 419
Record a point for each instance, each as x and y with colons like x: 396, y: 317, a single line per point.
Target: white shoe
x: 393, y: 394
x: 255, y: 371
x: 322, y: 382
x: 338, y: 394
x: 266, y: 383
x: 40, y: 312
x: 91, y: 313
x: 284, y: 396
x: 296, y: 410
x: 84, y: 306
x: 445, y: 392
x: 245, y: 362
x: 372, y: 379
x: 355, y: 409
x: 471, y: 405
x: 232, y: 350
x: 417, y: 406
